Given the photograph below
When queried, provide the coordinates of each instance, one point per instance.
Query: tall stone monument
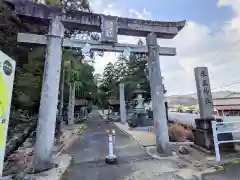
(203, 135)
(204, 92)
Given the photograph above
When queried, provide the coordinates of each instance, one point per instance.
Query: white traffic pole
(110, 145)
(114, 142)
(111, 158)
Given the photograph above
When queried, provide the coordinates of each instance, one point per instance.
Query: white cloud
(110, 8)
(197, 45)
(234, 4)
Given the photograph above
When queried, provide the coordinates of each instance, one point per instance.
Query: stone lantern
(140, 100)
(139, 118)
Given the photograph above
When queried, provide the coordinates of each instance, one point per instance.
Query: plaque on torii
(109, 29)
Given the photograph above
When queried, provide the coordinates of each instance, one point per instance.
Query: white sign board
(7, 71)
(204, 92)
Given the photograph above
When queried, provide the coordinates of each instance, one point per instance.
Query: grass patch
(81, 129)
(220, 168)
(235, 161)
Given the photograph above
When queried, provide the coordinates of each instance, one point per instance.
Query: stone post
(204, 92)
(49, 96)
(159, 113)
(203, 133)
(71, 103)
(122, 103)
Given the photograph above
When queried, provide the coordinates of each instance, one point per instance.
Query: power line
(223, 86)
(217, 54)
(227, 85)
(219, 51)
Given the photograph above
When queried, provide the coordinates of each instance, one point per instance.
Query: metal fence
(224, 128)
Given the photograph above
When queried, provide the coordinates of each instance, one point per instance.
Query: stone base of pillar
(203, 136)
(204, 139)
(205, 124)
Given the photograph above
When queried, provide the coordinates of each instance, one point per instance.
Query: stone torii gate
(110, 27)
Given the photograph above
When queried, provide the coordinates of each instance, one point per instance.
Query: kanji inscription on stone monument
(204, 92)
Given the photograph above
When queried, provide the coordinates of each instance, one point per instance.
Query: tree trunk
(71, 103)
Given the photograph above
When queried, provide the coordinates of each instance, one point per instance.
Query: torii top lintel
(92, 22)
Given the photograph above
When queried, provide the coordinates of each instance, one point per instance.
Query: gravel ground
(89, 153)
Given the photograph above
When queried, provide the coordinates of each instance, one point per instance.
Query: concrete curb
(63, 162)
(69, 143)
(100, 114)
(194, 176)
(155, 156)
(103, 116)
(64, 147)
(57, 173)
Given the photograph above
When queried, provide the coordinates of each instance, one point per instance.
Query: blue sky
(202, 11)
(211, 26)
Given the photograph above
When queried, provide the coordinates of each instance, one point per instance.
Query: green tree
(109, 78)
(70, 4)
(28, 81)
(131, 72)
(79, 77)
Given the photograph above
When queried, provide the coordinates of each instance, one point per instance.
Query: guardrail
(222, 128)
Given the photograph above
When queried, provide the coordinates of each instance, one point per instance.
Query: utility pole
(122, 103)
(158, 103)
(49, 97)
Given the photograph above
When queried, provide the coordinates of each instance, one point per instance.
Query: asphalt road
(90, 150)
(232, 172)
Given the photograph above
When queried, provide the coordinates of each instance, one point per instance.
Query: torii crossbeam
(95, 45)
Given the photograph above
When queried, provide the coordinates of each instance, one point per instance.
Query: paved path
(89, 153)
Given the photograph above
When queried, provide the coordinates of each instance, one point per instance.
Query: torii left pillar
(49, 96)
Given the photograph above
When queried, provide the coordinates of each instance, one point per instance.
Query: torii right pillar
(158, 102)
